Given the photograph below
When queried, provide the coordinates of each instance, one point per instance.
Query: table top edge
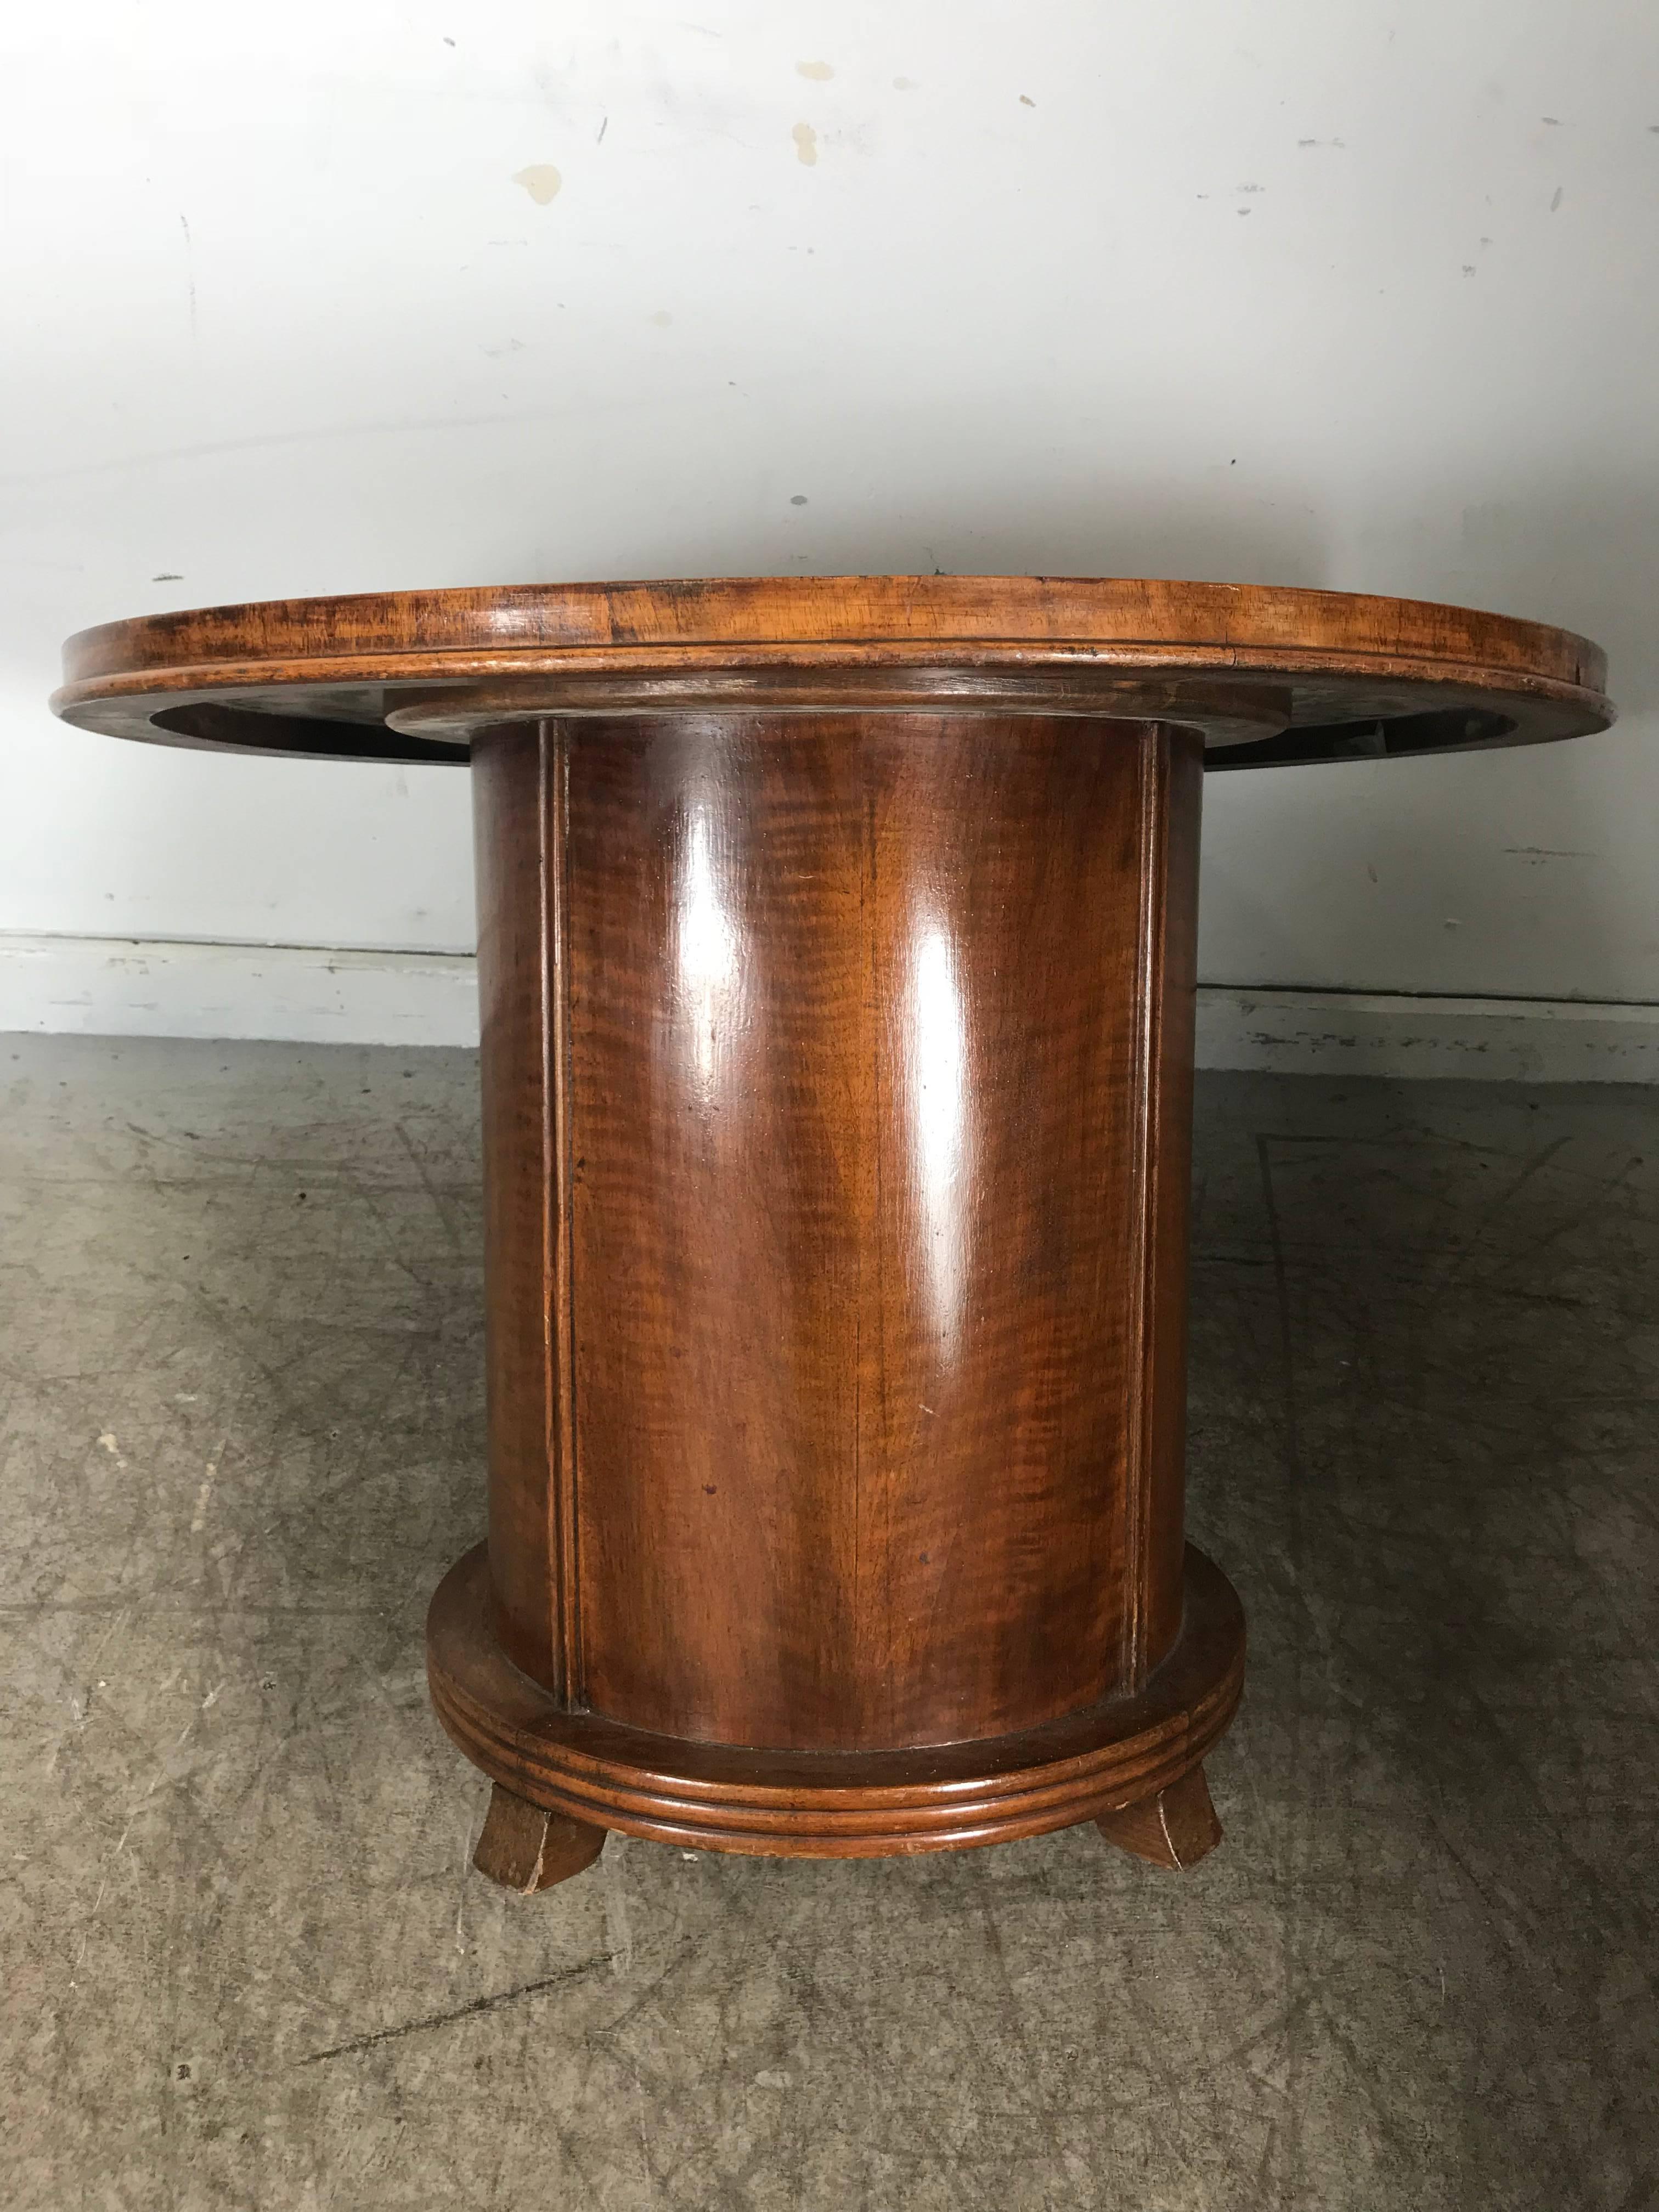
(666, 614)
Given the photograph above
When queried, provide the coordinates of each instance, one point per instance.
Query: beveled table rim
(1294, 673)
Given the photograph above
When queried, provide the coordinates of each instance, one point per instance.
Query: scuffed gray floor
(245, 1962)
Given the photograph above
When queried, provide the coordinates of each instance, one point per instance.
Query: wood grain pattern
(836, 956)
(526, 1848)
(1269, 674)
(858, 1067)
(825, 610)
(833, 1804)
(867, 1144)
(1166, 999)
(526, 1318)
(1173, 1829)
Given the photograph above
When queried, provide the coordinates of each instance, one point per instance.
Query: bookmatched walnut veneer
(836, 956)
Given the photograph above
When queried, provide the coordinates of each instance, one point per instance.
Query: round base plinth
(803, 1804)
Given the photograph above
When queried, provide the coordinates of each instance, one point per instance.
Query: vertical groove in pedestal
(519, 836)
(559, 1175)
(1171, 769)
(1137, 1273)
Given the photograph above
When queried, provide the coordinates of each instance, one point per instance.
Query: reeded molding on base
(833, 1804)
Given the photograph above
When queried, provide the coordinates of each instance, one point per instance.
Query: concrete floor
(245, 1964)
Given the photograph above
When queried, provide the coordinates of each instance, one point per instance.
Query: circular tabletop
(1270, 674)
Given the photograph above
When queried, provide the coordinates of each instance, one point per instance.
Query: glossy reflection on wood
(832, 1804)
(837, 957)
(1271, 673)
(849, 1232)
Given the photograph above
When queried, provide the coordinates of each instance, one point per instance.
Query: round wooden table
(837, 957)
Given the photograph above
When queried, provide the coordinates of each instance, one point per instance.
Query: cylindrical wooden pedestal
(837, 1098)
(837, 961)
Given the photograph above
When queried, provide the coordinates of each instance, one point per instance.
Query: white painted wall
(1357, 295)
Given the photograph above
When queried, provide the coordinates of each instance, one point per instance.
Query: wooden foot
(1174, 1829)
(526, 1849)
